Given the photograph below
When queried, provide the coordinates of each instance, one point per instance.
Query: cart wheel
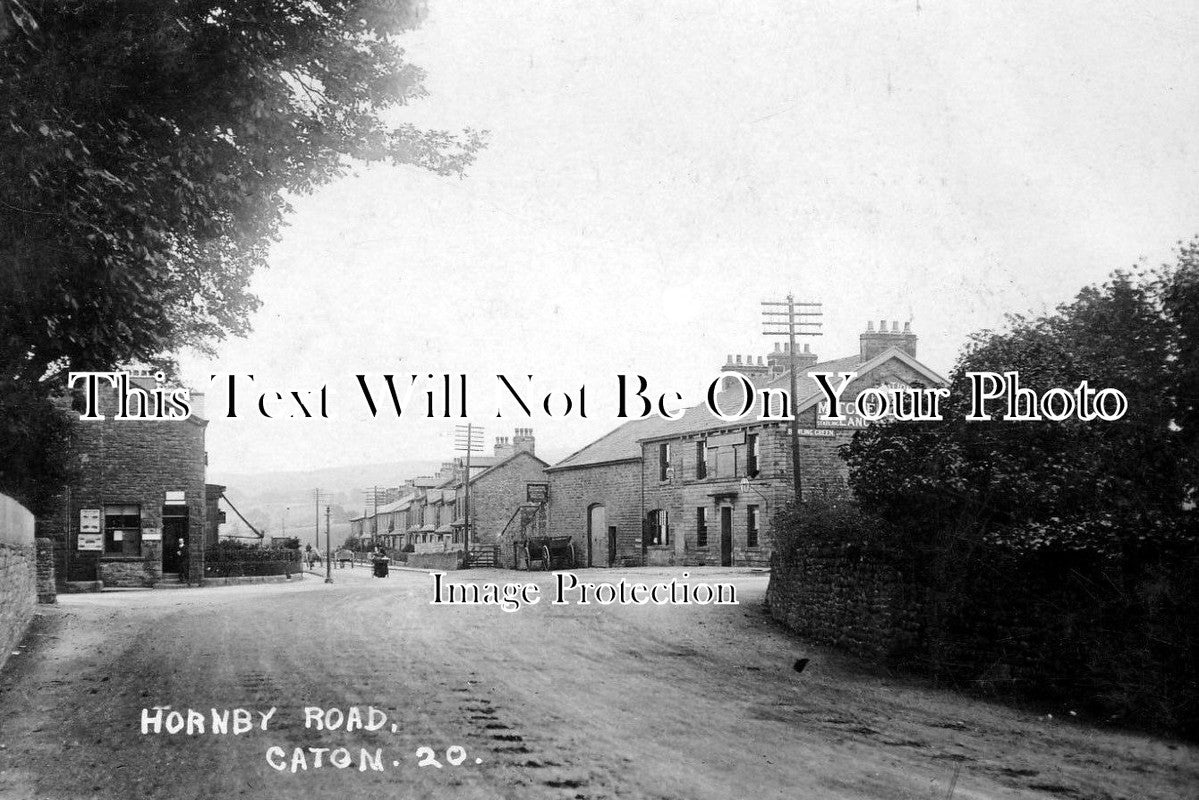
(545, 553)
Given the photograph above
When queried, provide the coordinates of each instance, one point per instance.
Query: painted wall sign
(537, 492)
(725, 439)
(90, 541)
(850, 418)
(176, 498)
(151, 534)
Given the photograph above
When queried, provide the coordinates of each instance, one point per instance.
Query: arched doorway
(597, 536)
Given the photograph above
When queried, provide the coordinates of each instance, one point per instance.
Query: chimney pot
(907, 327)
(730, 361)
(778, 346)
(882, 326)
(894, 326)
(738, 359)
(869, 326)
(807, 348)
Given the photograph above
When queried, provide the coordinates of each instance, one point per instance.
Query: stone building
(501, 509)
(136, 513)
(428, 515)
(595, 496)
(700, 490)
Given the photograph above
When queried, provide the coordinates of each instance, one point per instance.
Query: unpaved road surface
(546, 702)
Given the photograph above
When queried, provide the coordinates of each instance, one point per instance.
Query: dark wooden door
(611, 545)
(726, 537)
(174, 543)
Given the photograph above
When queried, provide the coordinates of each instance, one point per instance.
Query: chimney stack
(746, 365)
(876, 342)
(503, 448)
(523, 441)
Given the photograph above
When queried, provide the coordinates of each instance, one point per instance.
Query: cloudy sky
(656, 169)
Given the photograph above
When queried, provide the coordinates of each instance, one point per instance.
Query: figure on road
(380, 559)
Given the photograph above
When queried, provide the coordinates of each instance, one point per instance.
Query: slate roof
(474, 478)
(624, 443)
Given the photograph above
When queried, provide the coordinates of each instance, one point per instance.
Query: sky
(657, 169)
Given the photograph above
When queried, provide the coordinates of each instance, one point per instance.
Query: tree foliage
(1109, 487)
(147, 150)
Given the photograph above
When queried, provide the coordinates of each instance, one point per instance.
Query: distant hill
(344, 484)
(281, 503)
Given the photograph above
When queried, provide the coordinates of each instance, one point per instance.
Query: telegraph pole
(465, 439)
(328, 549)
(316, 535)
(374, 490)
(791, 326)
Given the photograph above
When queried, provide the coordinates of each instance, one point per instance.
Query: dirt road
(546, 702)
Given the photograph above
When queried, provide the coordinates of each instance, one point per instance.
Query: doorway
(598, 547)
(726, 536)
(174, 538)
(611, 545)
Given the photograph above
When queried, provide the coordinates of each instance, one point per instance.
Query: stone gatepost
(47, 592)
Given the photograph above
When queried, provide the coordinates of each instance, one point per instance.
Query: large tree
(147, 151)
(1107, 487)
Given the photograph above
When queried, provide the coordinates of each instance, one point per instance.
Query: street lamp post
(746, 486)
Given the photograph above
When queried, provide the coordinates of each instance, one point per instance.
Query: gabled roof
(481, 462)
(497, 465)
(624, 443)
(701, 418)
(618, 445)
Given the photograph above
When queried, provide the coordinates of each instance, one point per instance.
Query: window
(751, 526)
(751, 455)
(701, 526)
(725, 462)
(701, 459)
(664, 461)
(123, 530)
(657, 528)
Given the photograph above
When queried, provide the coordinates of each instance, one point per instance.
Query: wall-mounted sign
(176, 499)
(118, 536)
(89, 520)
(537, 492)
(817, 432)
(151, 534)
(90, 541)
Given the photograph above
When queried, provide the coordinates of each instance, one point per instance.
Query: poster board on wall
(89, 520)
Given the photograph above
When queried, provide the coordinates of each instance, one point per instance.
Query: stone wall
(617, 487)
(18, 574)
(1075, 629)
(436, 561)
(856, 599)
(47, 589)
